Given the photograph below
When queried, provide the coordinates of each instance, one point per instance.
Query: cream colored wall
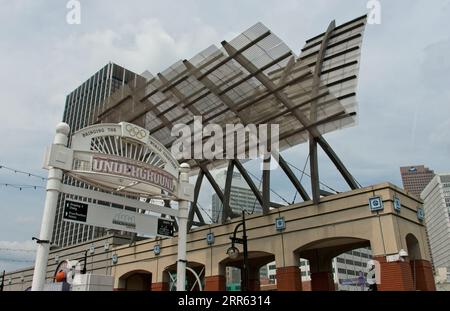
(346, 215)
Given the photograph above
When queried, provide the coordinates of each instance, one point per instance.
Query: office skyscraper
(436, 197)
(241, 197)
(81, 106)
(416, 178)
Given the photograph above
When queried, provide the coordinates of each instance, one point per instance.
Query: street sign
(397, 204)
(76, 211)
(280, 224)
(420, 213)
(118, 219)
(165, 227)
(376, 204)
(210, 238)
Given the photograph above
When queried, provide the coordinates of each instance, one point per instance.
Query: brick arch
(320, 253)
(138, 279)
(421, 269)
(259, 258)
(334, 246)
(413, 247)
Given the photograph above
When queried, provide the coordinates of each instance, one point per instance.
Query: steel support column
(266, 186)
(298, 186)
(313, 162)
(250, 67)
(226, 209)
(194, 207)
(249, 181)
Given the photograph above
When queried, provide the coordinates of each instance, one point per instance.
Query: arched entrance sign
(123, 159)
(118, 157)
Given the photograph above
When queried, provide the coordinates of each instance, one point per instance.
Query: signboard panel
(165, 227)
(118, 219)
(76, 211)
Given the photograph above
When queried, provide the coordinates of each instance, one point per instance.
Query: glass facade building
(82, 105)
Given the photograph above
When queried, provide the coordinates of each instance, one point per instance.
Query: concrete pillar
(423, 275)
(160, 286)
(48, 218)
(253, 280)
(394, 276)
(215, 283)
(321, 271)
(289, 279)
(322, 281)
(183, 211)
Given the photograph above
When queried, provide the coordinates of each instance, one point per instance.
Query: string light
(20, 187)
(15, 260)
(17, 250)
(16, 171)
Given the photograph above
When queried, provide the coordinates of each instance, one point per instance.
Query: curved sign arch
(123, 157)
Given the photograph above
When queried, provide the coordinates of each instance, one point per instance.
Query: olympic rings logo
(135, 131)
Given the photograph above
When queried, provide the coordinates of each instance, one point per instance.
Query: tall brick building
(416, 178)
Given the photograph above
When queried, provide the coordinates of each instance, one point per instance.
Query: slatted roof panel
(215, 85)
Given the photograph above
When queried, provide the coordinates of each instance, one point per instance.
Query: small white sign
(420, 214)
(119, 219)
(376, 204)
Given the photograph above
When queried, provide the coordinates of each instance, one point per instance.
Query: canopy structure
(254, 79)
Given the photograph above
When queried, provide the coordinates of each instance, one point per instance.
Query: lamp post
(84, 270)
(233, 252)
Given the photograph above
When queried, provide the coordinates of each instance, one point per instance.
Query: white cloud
(139, 46)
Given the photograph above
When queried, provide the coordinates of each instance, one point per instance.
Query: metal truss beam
(266, 186)
(249, 181)
(194, 207)
(313, 162)
(212, 181)
(243, 61)
(298, 186)
(226, 208)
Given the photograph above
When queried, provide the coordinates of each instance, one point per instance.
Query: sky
(403, 92)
